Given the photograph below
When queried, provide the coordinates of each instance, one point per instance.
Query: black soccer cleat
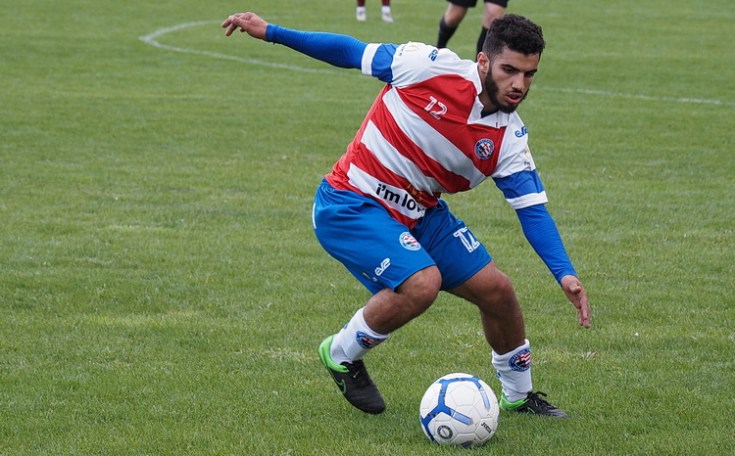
(532, 403)
(353, 381)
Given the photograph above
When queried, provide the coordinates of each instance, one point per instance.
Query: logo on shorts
(366, 341)
(383, 266)
(369, 277)
(409, 242)
(521, 361)
(484, 148)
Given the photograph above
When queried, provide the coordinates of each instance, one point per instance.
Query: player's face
(508, 79)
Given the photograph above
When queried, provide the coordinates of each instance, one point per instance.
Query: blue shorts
(382, 253)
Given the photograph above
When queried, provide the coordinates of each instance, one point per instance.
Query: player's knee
(493, 292)
(501, 296)
(421, 289)
(503, 289)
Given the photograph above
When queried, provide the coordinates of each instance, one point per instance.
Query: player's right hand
(250, 23)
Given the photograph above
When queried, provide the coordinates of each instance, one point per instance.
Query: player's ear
(483, 64)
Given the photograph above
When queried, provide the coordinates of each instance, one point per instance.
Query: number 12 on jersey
(436, 108)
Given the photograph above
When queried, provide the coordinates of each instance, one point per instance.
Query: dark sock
(445, 32)
(481, 39)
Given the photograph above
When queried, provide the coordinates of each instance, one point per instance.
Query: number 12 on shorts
(469, 241)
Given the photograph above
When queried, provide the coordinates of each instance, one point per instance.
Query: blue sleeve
(339, 50)
(541, 232)
(520, 184)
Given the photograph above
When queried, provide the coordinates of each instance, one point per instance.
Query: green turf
(161, 291)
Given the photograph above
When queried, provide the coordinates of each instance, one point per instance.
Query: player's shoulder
(414, 50)
(417, 53)
(429, 60)
(413, 62)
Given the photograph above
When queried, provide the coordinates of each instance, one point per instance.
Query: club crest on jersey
(366, 341)
(409, 242)
(521, 361)
(484, 148)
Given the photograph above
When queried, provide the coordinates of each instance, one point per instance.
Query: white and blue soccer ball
(459, 409)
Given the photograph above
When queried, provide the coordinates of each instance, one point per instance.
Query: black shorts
(472, 3)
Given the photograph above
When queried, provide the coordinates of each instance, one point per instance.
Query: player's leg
(500, 312)
(380, 252)
(450, 20)
(385, 312)
(468, 271)
(385, 257)
(502, 321)
(494, 9)
(385, 12)
(360, 11)
(342, 353)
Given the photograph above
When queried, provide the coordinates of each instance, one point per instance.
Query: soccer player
(385, 13)
(456, 11)
(440, 125)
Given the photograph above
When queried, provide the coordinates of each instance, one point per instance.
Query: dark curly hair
(517, 33)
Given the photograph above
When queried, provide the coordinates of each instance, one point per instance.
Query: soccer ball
(459, 409)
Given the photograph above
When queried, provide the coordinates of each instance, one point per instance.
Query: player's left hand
(578, 296)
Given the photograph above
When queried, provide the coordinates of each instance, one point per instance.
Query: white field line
(152, 39)
(634, 96)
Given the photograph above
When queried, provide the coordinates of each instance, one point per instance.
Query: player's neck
(488, 111)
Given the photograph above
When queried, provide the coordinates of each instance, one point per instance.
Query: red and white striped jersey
(425, 135)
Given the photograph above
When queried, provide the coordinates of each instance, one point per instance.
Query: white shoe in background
(387, 16)
(361, 14)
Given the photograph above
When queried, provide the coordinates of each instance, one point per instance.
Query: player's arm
(339, 50)
(525, 192)
(541, 231)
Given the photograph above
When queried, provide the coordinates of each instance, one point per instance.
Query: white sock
(385, 9)
(354, 340)
(514, 371)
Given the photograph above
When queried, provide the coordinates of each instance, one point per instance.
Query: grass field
(161, 291)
